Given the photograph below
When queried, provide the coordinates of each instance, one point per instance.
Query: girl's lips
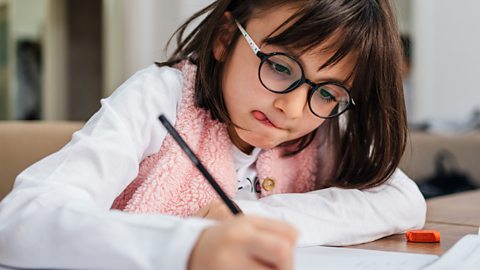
(263, 118)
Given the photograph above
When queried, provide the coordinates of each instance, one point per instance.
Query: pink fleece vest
(169, 183)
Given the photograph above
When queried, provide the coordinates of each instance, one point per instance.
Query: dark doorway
(84, 63)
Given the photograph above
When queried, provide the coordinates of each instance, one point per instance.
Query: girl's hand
(217, 210)
(245, 242)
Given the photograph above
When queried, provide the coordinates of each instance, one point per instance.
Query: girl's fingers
(219, 211)
(202, 212)
(279, 228)
(268, 241)
(245, 242)
(272, 250)
(256, 265)
(244, 261)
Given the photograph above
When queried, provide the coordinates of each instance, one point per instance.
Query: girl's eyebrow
(336, 80)
(285, 49)
(346, 82)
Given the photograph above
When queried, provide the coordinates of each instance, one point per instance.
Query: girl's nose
(293, 104)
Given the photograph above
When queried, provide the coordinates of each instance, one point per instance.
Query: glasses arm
(250, 41)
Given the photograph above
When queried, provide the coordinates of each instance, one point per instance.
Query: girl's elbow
(419, 215)
(417, 211)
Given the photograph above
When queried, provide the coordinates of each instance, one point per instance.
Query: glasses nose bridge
(299, 84)
(310, 83)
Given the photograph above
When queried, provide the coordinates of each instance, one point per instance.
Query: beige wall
(446, 59)
(136, 33)
(54, 98)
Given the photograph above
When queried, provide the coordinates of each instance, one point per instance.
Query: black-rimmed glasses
(281, 73)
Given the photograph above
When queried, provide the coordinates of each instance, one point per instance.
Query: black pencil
(231, 205)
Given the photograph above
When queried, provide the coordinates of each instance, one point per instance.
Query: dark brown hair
(361, 148)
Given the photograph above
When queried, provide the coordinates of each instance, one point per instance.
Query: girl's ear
(224, 36)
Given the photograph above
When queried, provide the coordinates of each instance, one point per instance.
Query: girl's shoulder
(152, 82)
(155, 72)
(153, 75)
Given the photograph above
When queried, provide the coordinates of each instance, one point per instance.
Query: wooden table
(453, 215)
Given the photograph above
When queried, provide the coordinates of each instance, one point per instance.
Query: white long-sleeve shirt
(58, 214)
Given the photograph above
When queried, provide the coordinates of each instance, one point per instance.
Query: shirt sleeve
(58, 214)
(338, 217)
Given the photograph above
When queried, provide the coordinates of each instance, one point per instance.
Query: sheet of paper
(335, 258)
(465, 255)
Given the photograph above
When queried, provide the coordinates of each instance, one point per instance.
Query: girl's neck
(238, 142)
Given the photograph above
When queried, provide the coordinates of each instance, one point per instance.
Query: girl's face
(267, 119)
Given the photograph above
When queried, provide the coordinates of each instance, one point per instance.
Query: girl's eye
(281, 69)
(326, 95)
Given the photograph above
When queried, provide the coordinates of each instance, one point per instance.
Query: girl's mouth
(263, 118)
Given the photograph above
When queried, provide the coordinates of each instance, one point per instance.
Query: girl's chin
(265, 140)
(262, 143)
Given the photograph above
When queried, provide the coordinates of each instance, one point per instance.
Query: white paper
(465, 255)
(333, 258)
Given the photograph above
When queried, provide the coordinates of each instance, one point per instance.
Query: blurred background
(58, 58)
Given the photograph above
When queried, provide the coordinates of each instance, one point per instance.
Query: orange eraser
(423, 236)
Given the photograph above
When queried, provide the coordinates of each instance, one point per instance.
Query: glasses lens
(328, 100)
(280, 73)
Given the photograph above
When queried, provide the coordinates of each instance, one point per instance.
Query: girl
(295, 107)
